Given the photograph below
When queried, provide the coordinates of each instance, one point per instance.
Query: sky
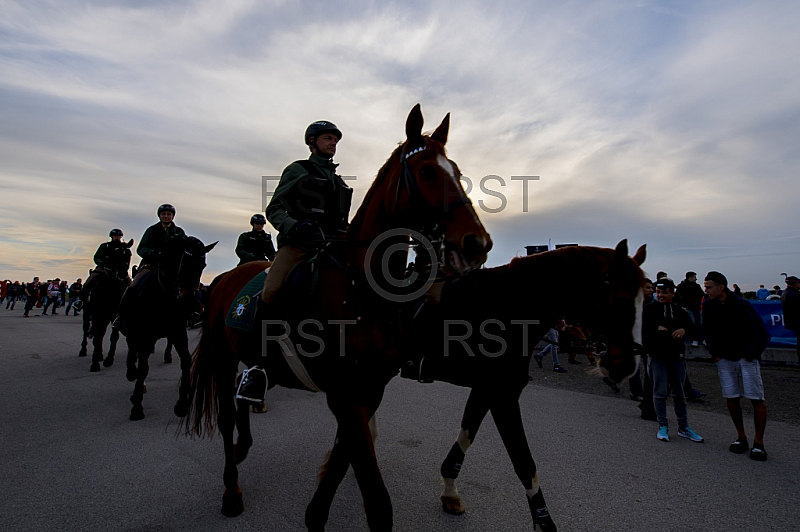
(675, 124)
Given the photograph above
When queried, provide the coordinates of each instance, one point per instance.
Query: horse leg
(185, 388)
(85, 341)
(475, 410)
(244, 438)
(507, 417)
(112, 347)
(139, 389)
(232, 502)
(98, 332)
(130, 362)
(330, 476)
(356, 438)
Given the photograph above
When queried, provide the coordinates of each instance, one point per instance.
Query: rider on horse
(157, 240)
(310, 204)
(106, 258)
(256, 244)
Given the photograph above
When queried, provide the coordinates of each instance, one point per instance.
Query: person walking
(32, 294)
(790, 301)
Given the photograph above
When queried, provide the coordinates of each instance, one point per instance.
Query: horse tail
(203, 403)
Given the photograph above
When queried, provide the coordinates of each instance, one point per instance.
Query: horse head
(121, 259)
(192, 262)
(616, 309)
(418, 190)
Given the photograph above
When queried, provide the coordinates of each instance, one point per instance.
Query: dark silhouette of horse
(354, 316)
(100, 304)
(482, 334)
(164, 299)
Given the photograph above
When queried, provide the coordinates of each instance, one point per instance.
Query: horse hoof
(453, 505)
(260, 408)
(232, 505)
(131, 374)
(137, 413)
(181, 408)
(95, 367)
(82, 354)
(108, 362)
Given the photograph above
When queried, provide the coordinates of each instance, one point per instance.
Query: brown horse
(482, 333)
(355, 315)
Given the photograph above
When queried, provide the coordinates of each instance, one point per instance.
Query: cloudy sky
(674, 124)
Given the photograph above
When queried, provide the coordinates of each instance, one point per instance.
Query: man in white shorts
(736, 337)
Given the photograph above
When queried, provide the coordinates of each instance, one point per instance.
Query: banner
(771, 313)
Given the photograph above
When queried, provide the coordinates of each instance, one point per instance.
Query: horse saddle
(301, 284)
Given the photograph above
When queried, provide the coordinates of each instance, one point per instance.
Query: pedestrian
(736, 337)
(52, 297)
(74, 297)
(762, 293)
(665, 324)
(552, 347)
(689, 294)
(13, 293)
(32, 295)
(790, 301)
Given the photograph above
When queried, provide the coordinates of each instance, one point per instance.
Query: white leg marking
(637, 323)
(373, 428)
(463, 440)
(535, 486)
(450, 489)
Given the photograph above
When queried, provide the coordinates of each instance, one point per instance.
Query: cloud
(668, 124)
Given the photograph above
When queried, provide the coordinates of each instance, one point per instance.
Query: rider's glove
(305, 231)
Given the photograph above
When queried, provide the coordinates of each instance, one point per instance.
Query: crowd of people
(49, 295)
(676, 317)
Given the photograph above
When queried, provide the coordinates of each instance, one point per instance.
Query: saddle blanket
(242, 314)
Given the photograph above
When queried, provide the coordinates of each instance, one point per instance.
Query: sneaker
(538, 360)
(663, 433)
(696, 395)
(739, 446)
(689, 433)
(559, 369)
(758, 453)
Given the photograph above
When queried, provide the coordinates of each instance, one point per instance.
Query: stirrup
(253, 386)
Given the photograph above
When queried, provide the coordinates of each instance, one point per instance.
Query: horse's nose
(476, 248)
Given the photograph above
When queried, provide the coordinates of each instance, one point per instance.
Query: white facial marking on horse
(450, 489)
(442, 161)
(637, 323)
(464, 440)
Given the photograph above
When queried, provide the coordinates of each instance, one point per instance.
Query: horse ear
(210, 246)
(621, 251)
(441, 132)
(129, 244)
(414, 125)
(641, 254)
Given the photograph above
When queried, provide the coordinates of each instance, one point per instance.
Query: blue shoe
(663, 433)
(559, 369)
(689, 433)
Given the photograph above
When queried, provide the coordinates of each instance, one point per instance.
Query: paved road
(71, 460)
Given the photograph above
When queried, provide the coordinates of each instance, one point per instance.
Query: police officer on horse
(156, 241)
(106, 258)
(256, 244)
(311, 204)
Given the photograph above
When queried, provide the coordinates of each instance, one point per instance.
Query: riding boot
(122, 313)
(253, 386)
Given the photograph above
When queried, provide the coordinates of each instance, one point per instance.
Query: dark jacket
(310, 190)
(660, 345)
(254, 245)
(733, 329)
(790, 299)
(689, 295)
(156, 239)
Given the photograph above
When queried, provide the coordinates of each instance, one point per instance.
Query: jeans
(552, 346)
(72, 300)
(12, 300)
(664, 374)
(50, 301)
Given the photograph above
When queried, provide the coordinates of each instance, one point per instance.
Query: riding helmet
(115, 232)
(166, 207)
(320, 127)
(258, 219)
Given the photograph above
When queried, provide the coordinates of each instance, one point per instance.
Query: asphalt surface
(71, 459)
